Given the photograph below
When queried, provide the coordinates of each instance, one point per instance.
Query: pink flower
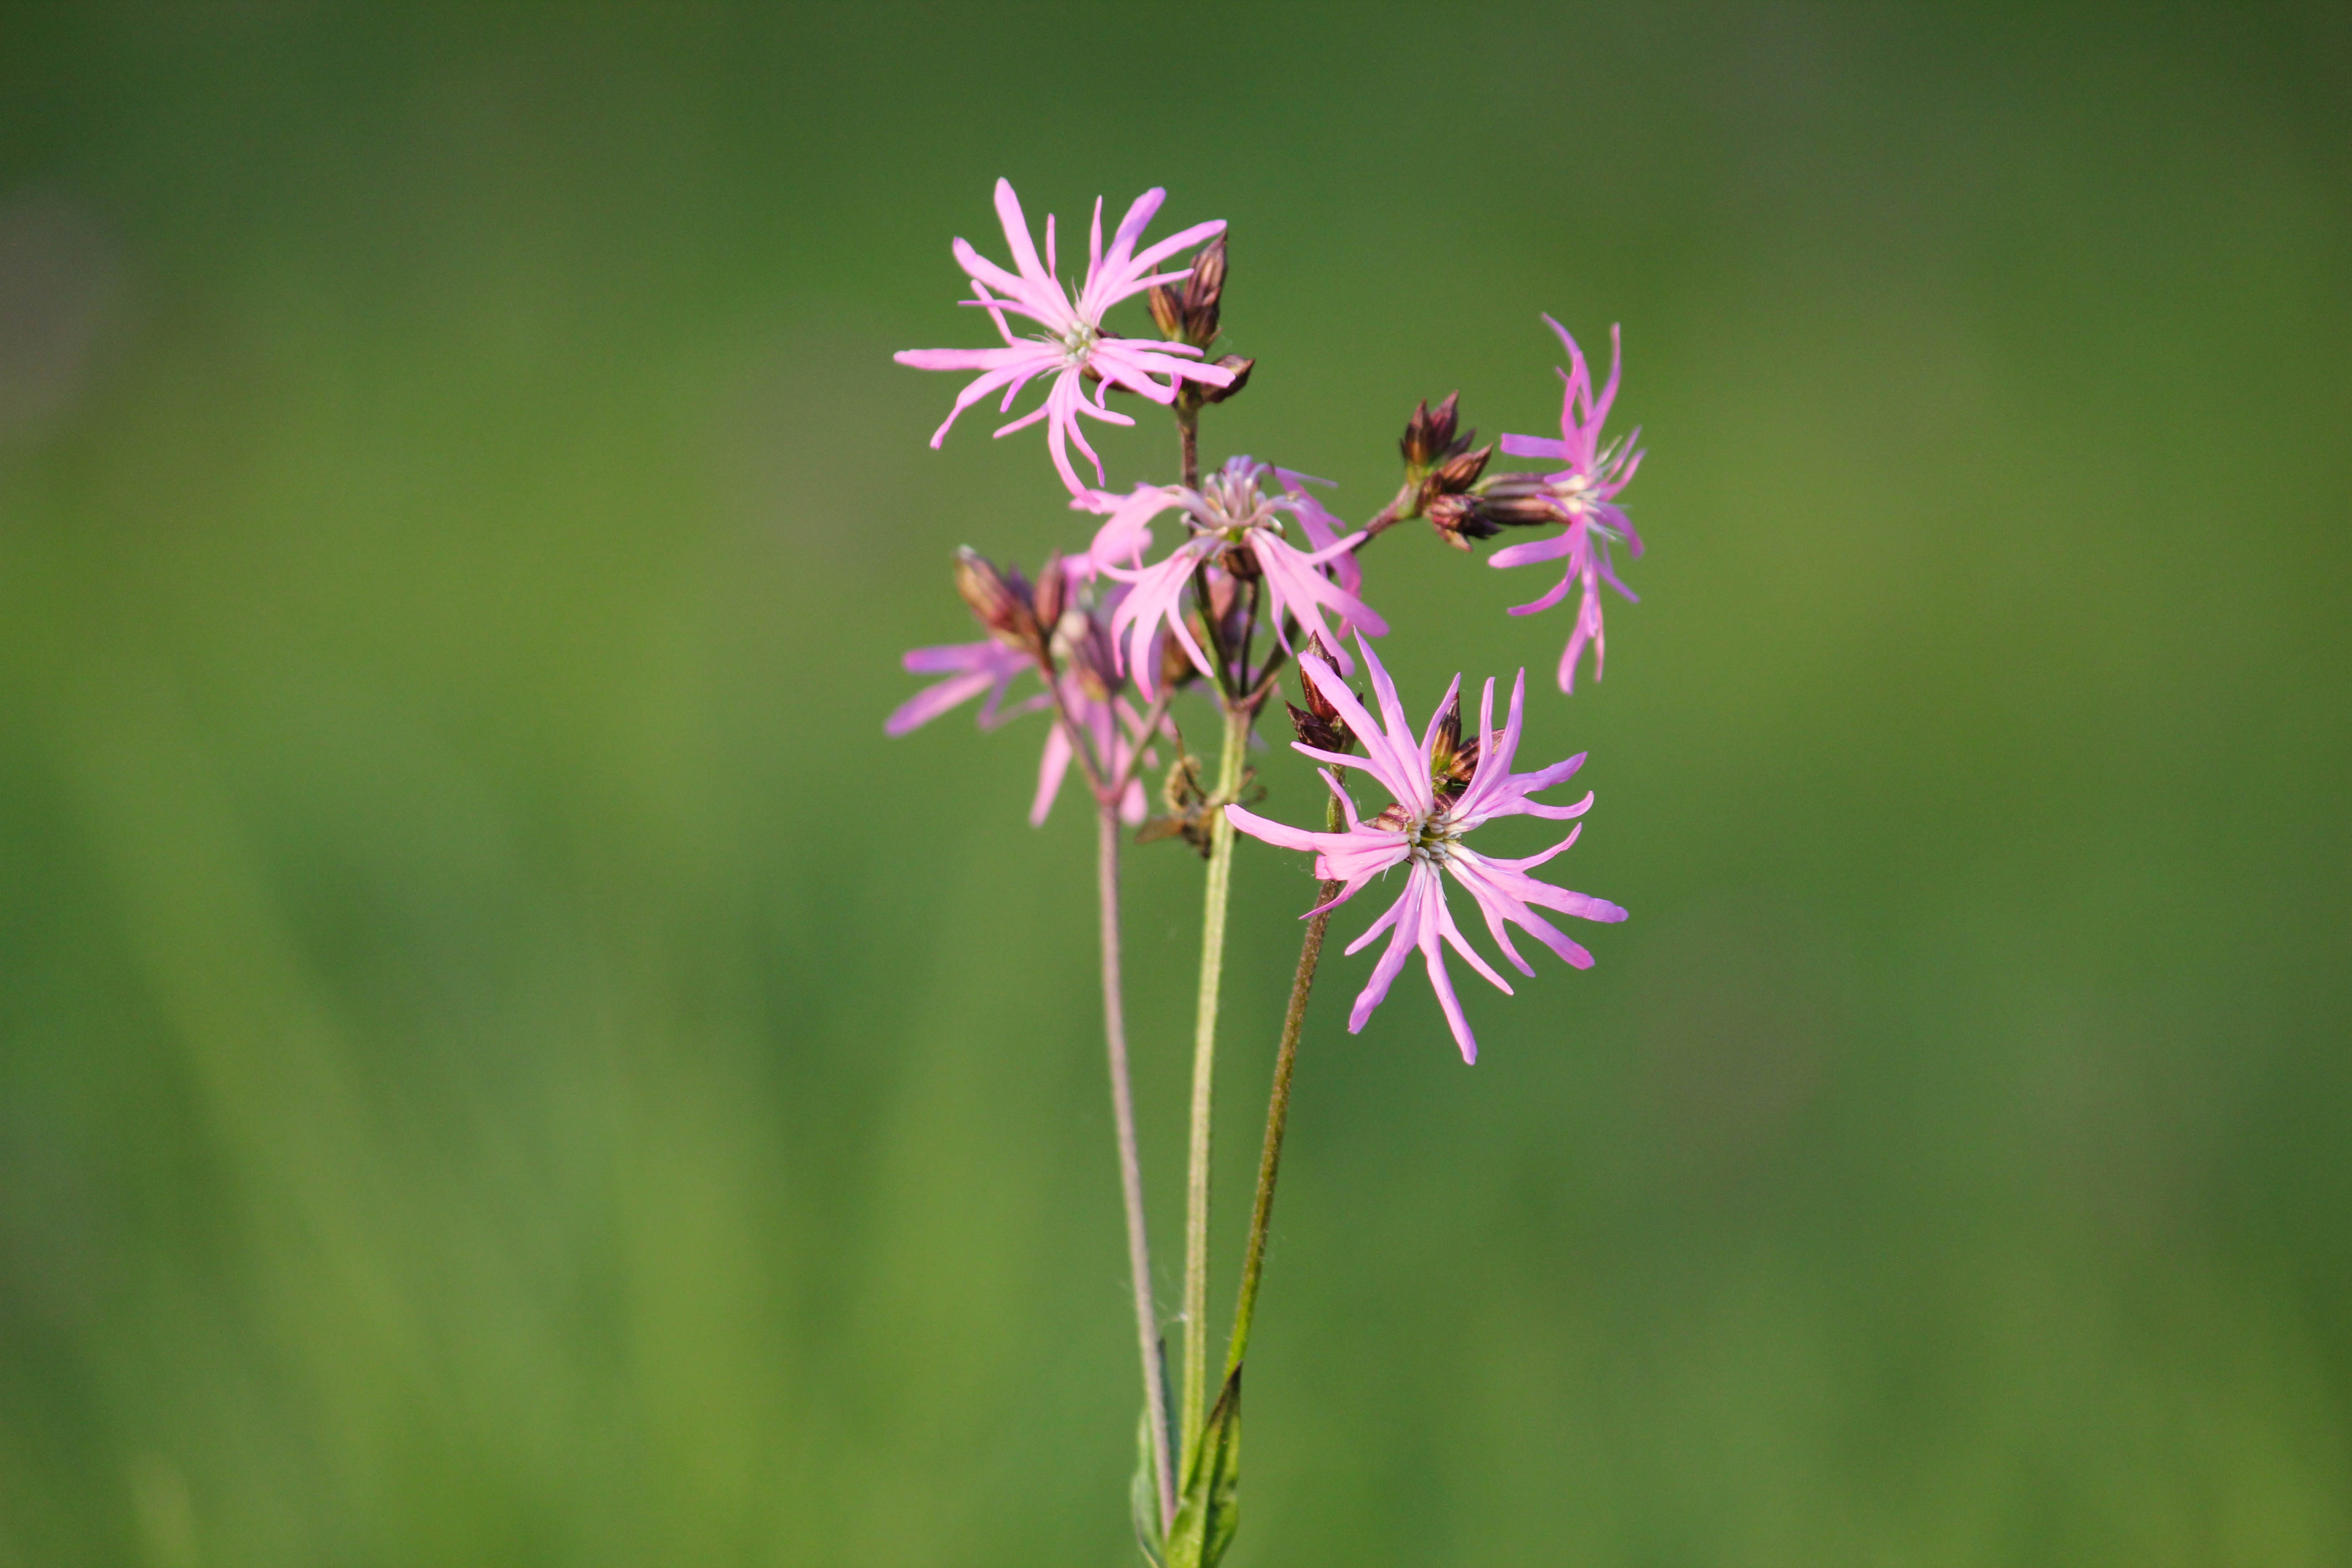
(991, 666)
(1584, 494)
(1071, 346)
(1437, 805)
(1232, 510)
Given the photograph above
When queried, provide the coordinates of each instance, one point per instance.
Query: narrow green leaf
(1210, 1507)
(1143, 1495)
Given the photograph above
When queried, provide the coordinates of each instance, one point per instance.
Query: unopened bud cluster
(1187, 313)
(1440, 467)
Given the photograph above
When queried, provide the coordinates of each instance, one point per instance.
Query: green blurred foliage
(500, 1063)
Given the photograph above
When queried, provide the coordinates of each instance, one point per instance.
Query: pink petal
(1051, 767)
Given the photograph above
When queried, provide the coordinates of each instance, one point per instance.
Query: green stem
(1130, 1163)
(1277, 1107)
(1205, 1073)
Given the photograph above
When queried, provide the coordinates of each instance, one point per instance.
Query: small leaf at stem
(1143, 1496)
(1210, 1507)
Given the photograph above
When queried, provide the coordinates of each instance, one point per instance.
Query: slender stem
(1188, 432)
(1212, 624)
(1152, 720)
(1277, 1108)
(1204, 1071)
(1130, 1165)
(1405, 505)
(1082, 746)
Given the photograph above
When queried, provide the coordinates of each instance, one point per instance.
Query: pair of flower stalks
(1263, 574)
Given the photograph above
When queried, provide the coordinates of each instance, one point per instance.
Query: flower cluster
(1261, 556)
(1222, 584)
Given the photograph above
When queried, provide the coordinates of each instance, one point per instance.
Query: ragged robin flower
(1581, 495)
(1005, 604)
(1236, 519)
(1443, 790)
(1069, 344)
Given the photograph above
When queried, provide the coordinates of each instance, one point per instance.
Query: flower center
(1078, 344)
(1430, 838)
(1232, 504)
(1572, 493)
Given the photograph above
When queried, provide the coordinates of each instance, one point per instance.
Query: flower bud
(1083, 645)
(1241, 369)
(1052, 591)
(1452, 764)
(1429, 435)
(1458, 472)
(1459, 518)
(1167, 311)
(1323, 734)
(1520, 500)
(1001, 600)
(1187, 312)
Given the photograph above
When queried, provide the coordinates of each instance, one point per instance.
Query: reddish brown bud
(1458, 473)
(1052, 590)
(1452, 763)
(1241, 369)
(1323, 734)
(1520, 500)
(1429, 434)
(1320, 705)
(1001, 600)
(1205, 290)
(1459, 518)
(1187, 312)
(1167, 311)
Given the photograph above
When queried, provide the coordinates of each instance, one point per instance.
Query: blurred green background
(504, 1065)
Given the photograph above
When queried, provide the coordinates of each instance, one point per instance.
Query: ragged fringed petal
(1125, 533)
(1436, 925)
(1051, 766)
(1299, 590)
(1323, 531)
(972, 667)
(1393, 768)
(1404, 917)
(1155, 598)
(1565, 542)
(1506, 894)
(1404, 746)
(1589, 630)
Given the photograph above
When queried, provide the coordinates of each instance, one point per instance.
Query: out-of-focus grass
(502, 1064)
